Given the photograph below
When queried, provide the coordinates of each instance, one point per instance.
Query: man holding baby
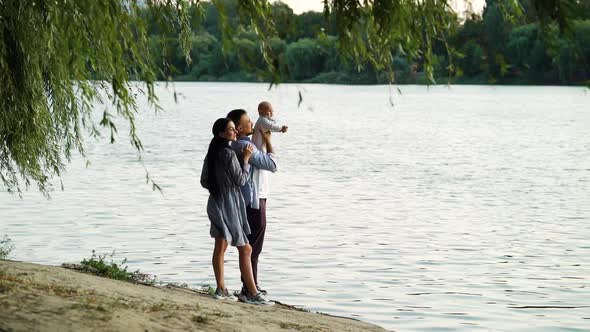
(263, 161)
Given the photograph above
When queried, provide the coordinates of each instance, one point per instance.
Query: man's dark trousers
(257, 222)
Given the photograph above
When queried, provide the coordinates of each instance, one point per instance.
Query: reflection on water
(459, 209)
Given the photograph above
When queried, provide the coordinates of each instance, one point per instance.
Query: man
(255, 204)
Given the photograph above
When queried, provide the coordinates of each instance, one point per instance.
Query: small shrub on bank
(6, 246)
(206, 288)
(98, 264)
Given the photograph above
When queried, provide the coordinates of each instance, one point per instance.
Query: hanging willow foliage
(58, 58)
(61, 58)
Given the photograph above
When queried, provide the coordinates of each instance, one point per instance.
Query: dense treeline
(487, 48)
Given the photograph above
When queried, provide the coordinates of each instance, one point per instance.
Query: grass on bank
(101, 266)
(105, 266)
(6, 246)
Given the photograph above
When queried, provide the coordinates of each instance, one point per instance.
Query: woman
(222, 175)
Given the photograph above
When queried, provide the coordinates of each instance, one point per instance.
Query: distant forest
(490, 47)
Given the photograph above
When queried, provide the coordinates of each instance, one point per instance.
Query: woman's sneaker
(257, 299)
(224, 294)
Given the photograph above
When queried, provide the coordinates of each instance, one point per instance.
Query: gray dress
(227, 212)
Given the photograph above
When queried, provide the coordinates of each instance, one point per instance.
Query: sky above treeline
(301, 6)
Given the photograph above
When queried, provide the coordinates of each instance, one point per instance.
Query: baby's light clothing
(264, 124)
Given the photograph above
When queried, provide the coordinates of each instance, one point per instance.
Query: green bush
(6, 246)
(98, 265)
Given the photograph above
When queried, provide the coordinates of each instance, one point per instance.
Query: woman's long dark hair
(217, 144)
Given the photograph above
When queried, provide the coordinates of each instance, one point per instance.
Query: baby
(265, 123)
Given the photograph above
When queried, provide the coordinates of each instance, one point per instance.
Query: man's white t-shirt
(263, 183)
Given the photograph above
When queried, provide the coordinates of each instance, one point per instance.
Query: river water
(462, 208)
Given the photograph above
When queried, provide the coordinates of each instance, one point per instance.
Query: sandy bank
(47, 298)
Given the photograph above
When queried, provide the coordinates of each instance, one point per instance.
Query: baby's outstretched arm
(269, 125)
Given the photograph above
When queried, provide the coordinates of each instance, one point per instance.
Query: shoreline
(51, 298)
(440, 82)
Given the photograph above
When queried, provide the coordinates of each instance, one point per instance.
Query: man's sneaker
(242, 297)
(224, 294)
(262, 291)
(257, 299)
